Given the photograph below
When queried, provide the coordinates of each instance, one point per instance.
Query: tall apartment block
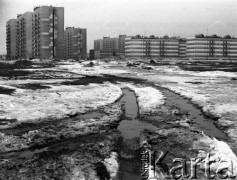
(75, 43)
(109, 47)
(151, 47)
(48, 32)
(39, 34)
(84, 43)
(24, 35)
(11, 29)
(98, 47)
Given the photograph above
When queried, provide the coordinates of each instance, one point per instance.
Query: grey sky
(113, 17)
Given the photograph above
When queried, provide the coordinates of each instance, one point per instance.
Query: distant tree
(138, 36)
(199, 36)
(152, 36)
(227, 37)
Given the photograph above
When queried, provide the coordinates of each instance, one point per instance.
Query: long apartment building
(211, 48)
(75, 43)
(39, 34)
(151, 47)
(109, 47)
(191, 48)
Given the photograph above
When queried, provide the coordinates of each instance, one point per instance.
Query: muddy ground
(77, 147)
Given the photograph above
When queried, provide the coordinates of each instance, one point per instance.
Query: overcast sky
(145, 17)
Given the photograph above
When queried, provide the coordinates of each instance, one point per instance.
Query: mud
(187, 110)
(128, 144)
(75, 147)
(7, 91)
(32, 86)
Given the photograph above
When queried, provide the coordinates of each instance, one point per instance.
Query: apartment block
(211, 48)
(11, 38)
(72, 43)
(39, 34)
(24, 35)
(109, 47)
(75, 43)
(48, 32)
(83, 43)
(151, 47)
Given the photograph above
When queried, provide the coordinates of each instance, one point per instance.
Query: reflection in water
(201, 122)
(128, 144)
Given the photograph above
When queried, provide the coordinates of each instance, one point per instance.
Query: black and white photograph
(118, 89)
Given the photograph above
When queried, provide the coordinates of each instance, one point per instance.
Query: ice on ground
(16, 82)
(178, 70)
(57, 102)
(149, 98)
(218, 100)
(213, 91)
(95, 70)
(220, 154)
(112, 165)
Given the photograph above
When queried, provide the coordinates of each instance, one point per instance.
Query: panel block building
(151, 47)
(75, 43)
(11, 29)
(48, 33)
(39, 34)
(211, 48)
(24, 48)
(196, 48)
(109, 47)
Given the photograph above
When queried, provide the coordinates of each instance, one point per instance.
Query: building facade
(48, 32)
(11, 38)
(39, 34)
(151, 47)
(196, 48)
(92, 54)
(72, 43)
(182, 48)
(24, 41)
(75, 43)
(83, 43)
(211, 48)
(109, 47)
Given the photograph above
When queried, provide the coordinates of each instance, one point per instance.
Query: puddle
(29, 154)
(7, 121)
(6, 91)
(201, 122)
(128, 144)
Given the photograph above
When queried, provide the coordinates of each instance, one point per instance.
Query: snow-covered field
(58, 101)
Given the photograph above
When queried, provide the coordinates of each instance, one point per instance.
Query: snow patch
(149, 98)
(220, 154)
(56, 102)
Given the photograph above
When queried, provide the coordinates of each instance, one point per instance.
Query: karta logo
(154, 167)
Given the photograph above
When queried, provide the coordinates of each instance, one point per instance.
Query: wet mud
(67, 151)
